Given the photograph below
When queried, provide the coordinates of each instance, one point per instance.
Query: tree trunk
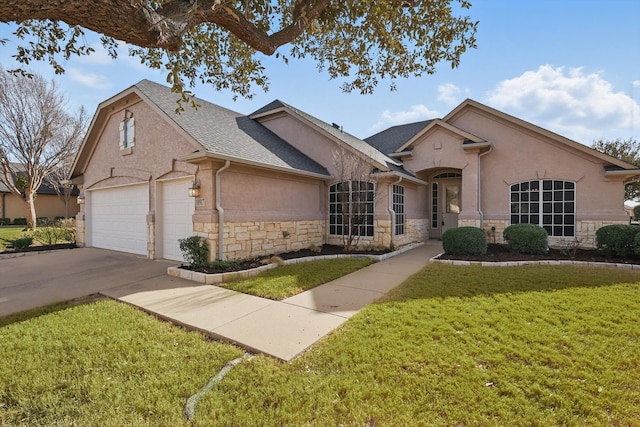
(31, 209)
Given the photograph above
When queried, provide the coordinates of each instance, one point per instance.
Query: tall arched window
(549, 203)
(351, 205)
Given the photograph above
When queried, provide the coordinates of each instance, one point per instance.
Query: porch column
(470, 214)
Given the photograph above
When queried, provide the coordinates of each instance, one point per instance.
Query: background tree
(218, 41)
(58, 178)
(627, 150)
(36, 134)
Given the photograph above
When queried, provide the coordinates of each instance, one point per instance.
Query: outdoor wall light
(194, 190)
(81, 199)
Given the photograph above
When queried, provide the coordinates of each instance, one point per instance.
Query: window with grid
(398, 208)
(549, 203)
(351, 205)
(434, 205)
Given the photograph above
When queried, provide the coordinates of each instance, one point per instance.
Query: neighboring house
(47, 202)
(268, 182)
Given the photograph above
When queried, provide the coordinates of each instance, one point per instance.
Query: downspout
(479, 187)
(392, 213)
(220, 210)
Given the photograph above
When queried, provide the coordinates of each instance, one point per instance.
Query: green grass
(289, 280)
(522, 346)
(8, 235)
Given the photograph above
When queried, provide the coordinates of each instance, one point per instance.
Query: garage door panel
(177, 216)
(118, 218)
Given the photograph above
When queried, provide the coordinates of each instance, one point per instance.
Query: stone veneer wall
(81, 240)
(495, 236)
(585, 232)
(416, 230)
(252, 239)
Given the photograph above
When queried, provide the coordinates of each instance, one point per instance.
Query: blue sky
(570, 66)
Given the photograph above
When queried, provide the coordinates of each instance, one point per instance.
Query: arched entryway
(445, 195)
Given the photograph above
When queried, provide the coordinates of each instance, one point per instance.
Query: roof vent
(337, 126)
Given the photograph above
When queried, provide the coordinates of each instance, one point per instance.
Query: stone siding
(252, 239)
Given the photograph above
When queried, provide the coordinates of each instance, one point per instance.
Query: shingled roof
(389, 140)
(230, 134)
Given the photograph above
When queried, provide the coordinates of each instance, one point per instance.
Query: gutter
(391, 211)
(220, 210)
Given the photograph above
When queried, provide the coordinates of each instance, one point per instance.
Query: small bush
(19, 221)
(464, 241)
(526, 239)
(42, 221)
(69, 227)
(23, 242)
(5, 221)
(195, 250)
(617, 240)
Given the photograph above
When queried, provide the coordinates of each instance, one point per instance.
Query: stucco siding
(257, 196)
(521, 155)
(306, 139)
(47, 206)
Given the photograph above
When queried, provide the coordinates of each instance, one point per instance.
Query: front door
(450, 203)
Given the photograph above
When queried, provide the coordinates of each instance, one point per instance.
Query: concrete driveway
(39, 279)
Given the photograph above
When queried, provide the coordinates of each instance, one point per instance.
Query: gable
(492, 125)
(209, 130)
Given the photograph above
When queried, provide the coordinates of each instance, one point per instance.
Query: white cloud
(636, 83)
(92, 80)
(451, 94)
(414, 114)
(570, 102)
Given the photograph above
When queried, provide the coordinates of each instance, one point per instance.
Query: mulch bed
(499, 253)
(248, 264)
(40, 248)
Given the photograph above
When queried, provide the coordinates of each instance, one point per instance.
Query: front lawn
(288, 280)
(452, 345)
(9, 234)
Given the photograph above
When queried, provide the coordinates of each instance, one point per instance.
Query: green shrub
(464, 241)
(195, 250)
(43, 220)
(617, 240)
(19, 221)
(23, 242)
(69, 227)
(5, 221)
(526, 239)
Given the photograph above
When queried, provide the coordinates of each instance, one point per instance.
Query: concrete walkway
(282, 329)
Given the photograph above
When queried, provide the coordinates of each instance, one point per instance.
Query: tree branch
(139, 24)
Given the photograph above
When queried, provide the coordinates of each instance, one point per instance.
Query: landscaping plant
(195, 251)
(23, 242)
(617, 240)
(464, 241)
(526, 239)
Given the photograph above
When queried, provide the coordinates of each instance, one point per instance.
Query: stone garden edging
(212, 279)
(539, 262)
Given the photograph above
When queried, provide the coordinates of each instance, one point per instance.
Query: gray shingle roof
(389, 140)
(227, 133)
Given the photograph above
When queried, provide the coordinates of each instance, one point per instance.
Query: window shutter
(122, 142)
(131, 135)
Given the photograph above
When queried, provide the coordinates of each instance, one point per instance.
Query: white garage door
(118, 218)
(176, 216)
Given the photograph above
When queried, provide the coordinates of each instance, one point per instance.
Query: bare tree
(58, 179)
(353, 197)
(36, 134)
